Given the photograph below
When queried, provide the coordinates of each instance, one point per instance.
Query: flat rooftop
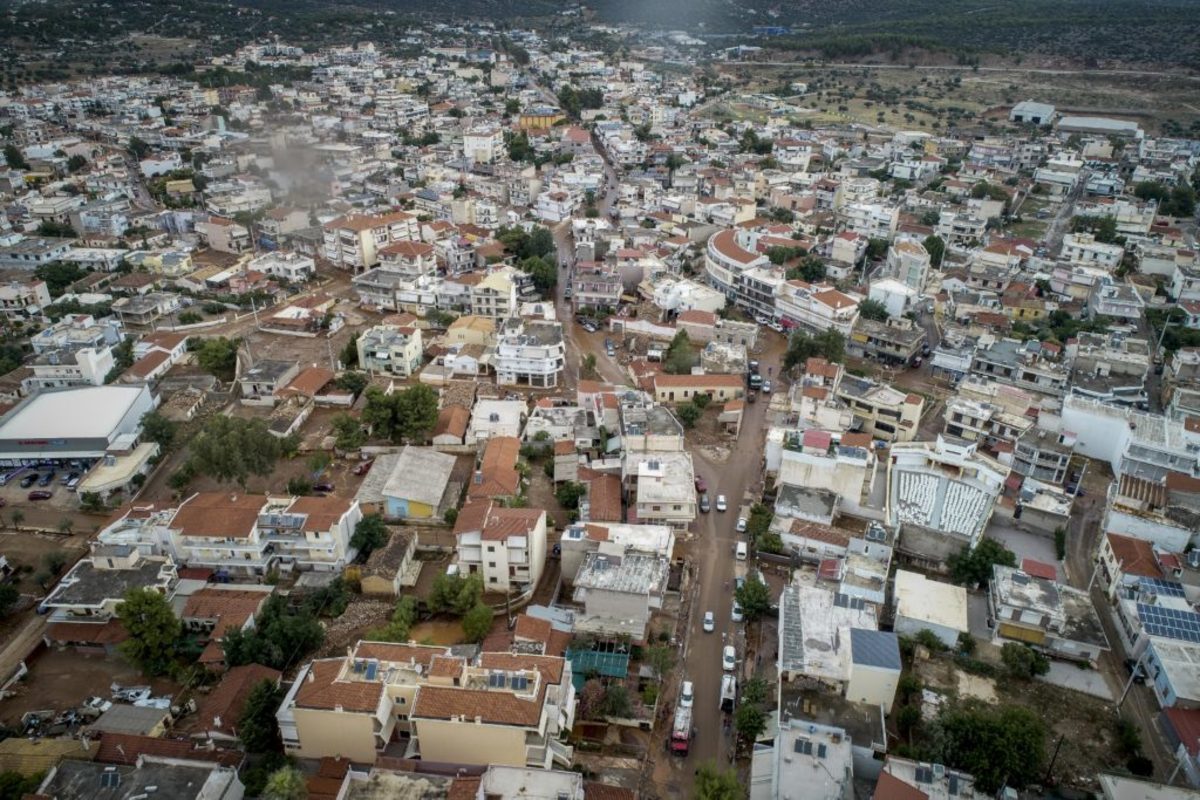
(88, 412)
(632, 573)
(90, 586)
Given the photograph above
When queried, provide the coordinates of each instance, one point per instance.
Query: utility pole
(1053, 758)
(1133, 673)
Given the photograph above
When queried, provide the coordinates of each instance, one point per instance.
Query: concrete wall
(872, 685)
(469, 743)
(330, 733)
(906, 626)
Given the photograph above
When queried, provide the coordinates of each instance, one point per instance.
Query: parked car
(1136, 670)
(736, 613)
(363, 468)
(47, 478)
(766, 387)
(29, 480)
(721, 505)
(589, 326)
(701, 484)
(710, 622)
(704, 506)
(751, 396)
(741, 525)
(323, 487)
(686, 695)
(728, 658)
(917, 362)
(741, 551)
(40, 494)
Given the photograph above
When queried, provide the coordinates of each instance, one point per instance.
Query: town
(485, 413)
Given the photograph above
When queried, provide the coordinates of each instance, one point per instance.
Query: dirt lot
(29, 550)
(1083, 723)
(59, 680)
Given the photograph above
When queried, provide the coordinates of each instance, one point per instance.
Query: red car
(363, 468)
(701, 485)
(40, 495)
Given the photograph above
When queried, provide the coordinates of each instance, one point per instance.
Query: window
(492, 564)
(491, 548)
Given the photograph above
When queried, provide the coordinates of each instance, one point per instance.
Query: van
(742, 551)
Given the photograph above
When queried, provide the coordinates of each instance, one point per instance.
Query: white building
(1082, 248)
(908, 262)
(923, 604)
(895, 295)
(506, 547)
(530, 354)
(663, 485)
(290, 267)
(815, 307)
(805, 759)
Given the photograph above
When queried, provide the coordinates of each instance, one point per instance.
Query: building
(1057, 619)
(662, 486)
(674, 389)
(727, 255)
(504, 546)
(923, 604)
(942, 494)
(815, 307)
(843, 464)
(417, 485)
(896, 341)
(908, 262)
(611, 538)
(353, 242)
(244, 535)
(49, 428)
(261, 382)
(289, 267)
(1032, 112)
(903, 779)
(802, 754)
(530, 354)
(178, 779)
(214, 611)
(620, 593)
(23, 300)
(391, 349)
(392, 566)
(1082, 248)
(496, 708)
(879, 410)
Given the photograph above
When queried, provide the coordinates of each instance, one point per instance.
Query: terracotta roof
(498, 469)
(465, 788)
(309, 381)
(604, 499)
(111, 632)
(407, 249)
(452, 420)
(222, 709)
(1136, 556)
(322, 513)
(564, 447)
(696, 317)
(834, 299)
(820, 533)
(1186, 724)
(501, 708)
(505, 522)
(327, 783)
(473, 515)
(359, 222)
(446, 666)
(532, 629)
(725, 243)
(668, 381)
(1179, 482)
(321, 689)
(148, 363)
(890, 787)
(218, 515)
(856, 440)
(399, 653)
(126, 748)
(1039, 569)
(594, 790)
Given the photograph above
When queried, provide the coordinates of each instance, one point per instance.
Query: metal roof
(875, 649)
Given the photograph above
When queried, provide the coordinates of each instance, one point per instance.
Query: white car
(766, 387)
(710, 623)
(728, 658)
(721, 502)
(741, 525)
(686, 695)
(736, 614)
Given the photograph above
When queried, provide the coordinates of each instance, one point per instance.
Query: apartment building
(497, 708)
(674, 389)
(1021, 364)
(505, 546)
(495, 295)
(897, 340)
(1059, 619)
(529, 354)
(727, 255)
(985, 422)
(409, 258)
(908, 262)
(873, 220)
(22, 300)
(246, 535)
(662, 487)
(392, 349)
(1082, 248)
(289, 267)
(842, 463)
(815, 307)
(596, 285)
(353, 242)
(881, 411)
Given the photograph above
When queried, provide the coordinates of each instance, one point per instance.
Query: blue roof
(875, 648)
(1161, 587)
(1170, 623)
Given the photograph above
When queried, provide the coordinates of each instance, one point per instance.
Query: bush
(189, 318)
(966, 643)
(1023, 661)
(1060, 543)
(929, 640)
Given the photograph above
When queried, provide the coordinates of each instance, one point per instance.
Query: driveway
(1070, 676)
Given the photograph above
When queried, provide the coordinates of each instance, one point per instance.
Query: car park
(728, 658)
(710, 623)
(721, 505)
(686, 695)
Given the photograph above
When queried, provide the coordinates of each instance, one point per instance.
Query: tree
(218, 357)
(569, 494)
(754, 597)
(122, 360)
(158, 429)
(232, 449)
(998, 745)
(406, 415)
(348, 432)
(457, 594)
(286, 783)
(14, 157)
(688, 413)
(877, 248)
(8, 598)
(750, 721)
(680, 356)
(352, 382)
(713, 783)
(278, 639)
(873, 309)
(369, 534)
(257, 728)
(400, 625)
(543, 272)
(588, 368)
(974, 567)
(661, 659)
(754, 691)
(829, 344)
(477, 622)
(59, 275)
(91, 502)
(1022, 661)
(14, 785)
(810, 270)
(153, 630)
(591, 699)
(349, 353)
(936, 248)
(616, 701)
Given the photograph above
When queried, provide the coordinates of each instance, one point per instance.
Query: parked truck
(681, 731)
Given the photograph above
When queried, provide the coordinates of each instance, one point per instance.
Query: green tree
(456, 594)
(754, 597)
(14, 157)
(14, 785)
(877, 248)
(543, 272)
(569, 494)
(974, 567)
(158, 429)
(349, 354)
(353, 382)
(257, 729)
(688, 413)
(936, 248)
(661, 659)
(477, 622)
(873, 309)
(830, 345)
(122, 360)
(616, 701)
(369, 534)
(8, 598)
(218, 357)
(91, 502)
(750, 721)
(153, 630)
(713, 783)
(588, 367)
(59, 275)
(407, 415)
(278, 639)
(680, 356)
(348, 432)
(286, 783)
(810, 270)
(138, 147)
(231, 449)
(400, 625)
(1000, 746)
(1022, 661)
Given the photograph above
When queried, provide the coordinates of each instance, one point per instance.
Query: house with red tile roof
(504, 546)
